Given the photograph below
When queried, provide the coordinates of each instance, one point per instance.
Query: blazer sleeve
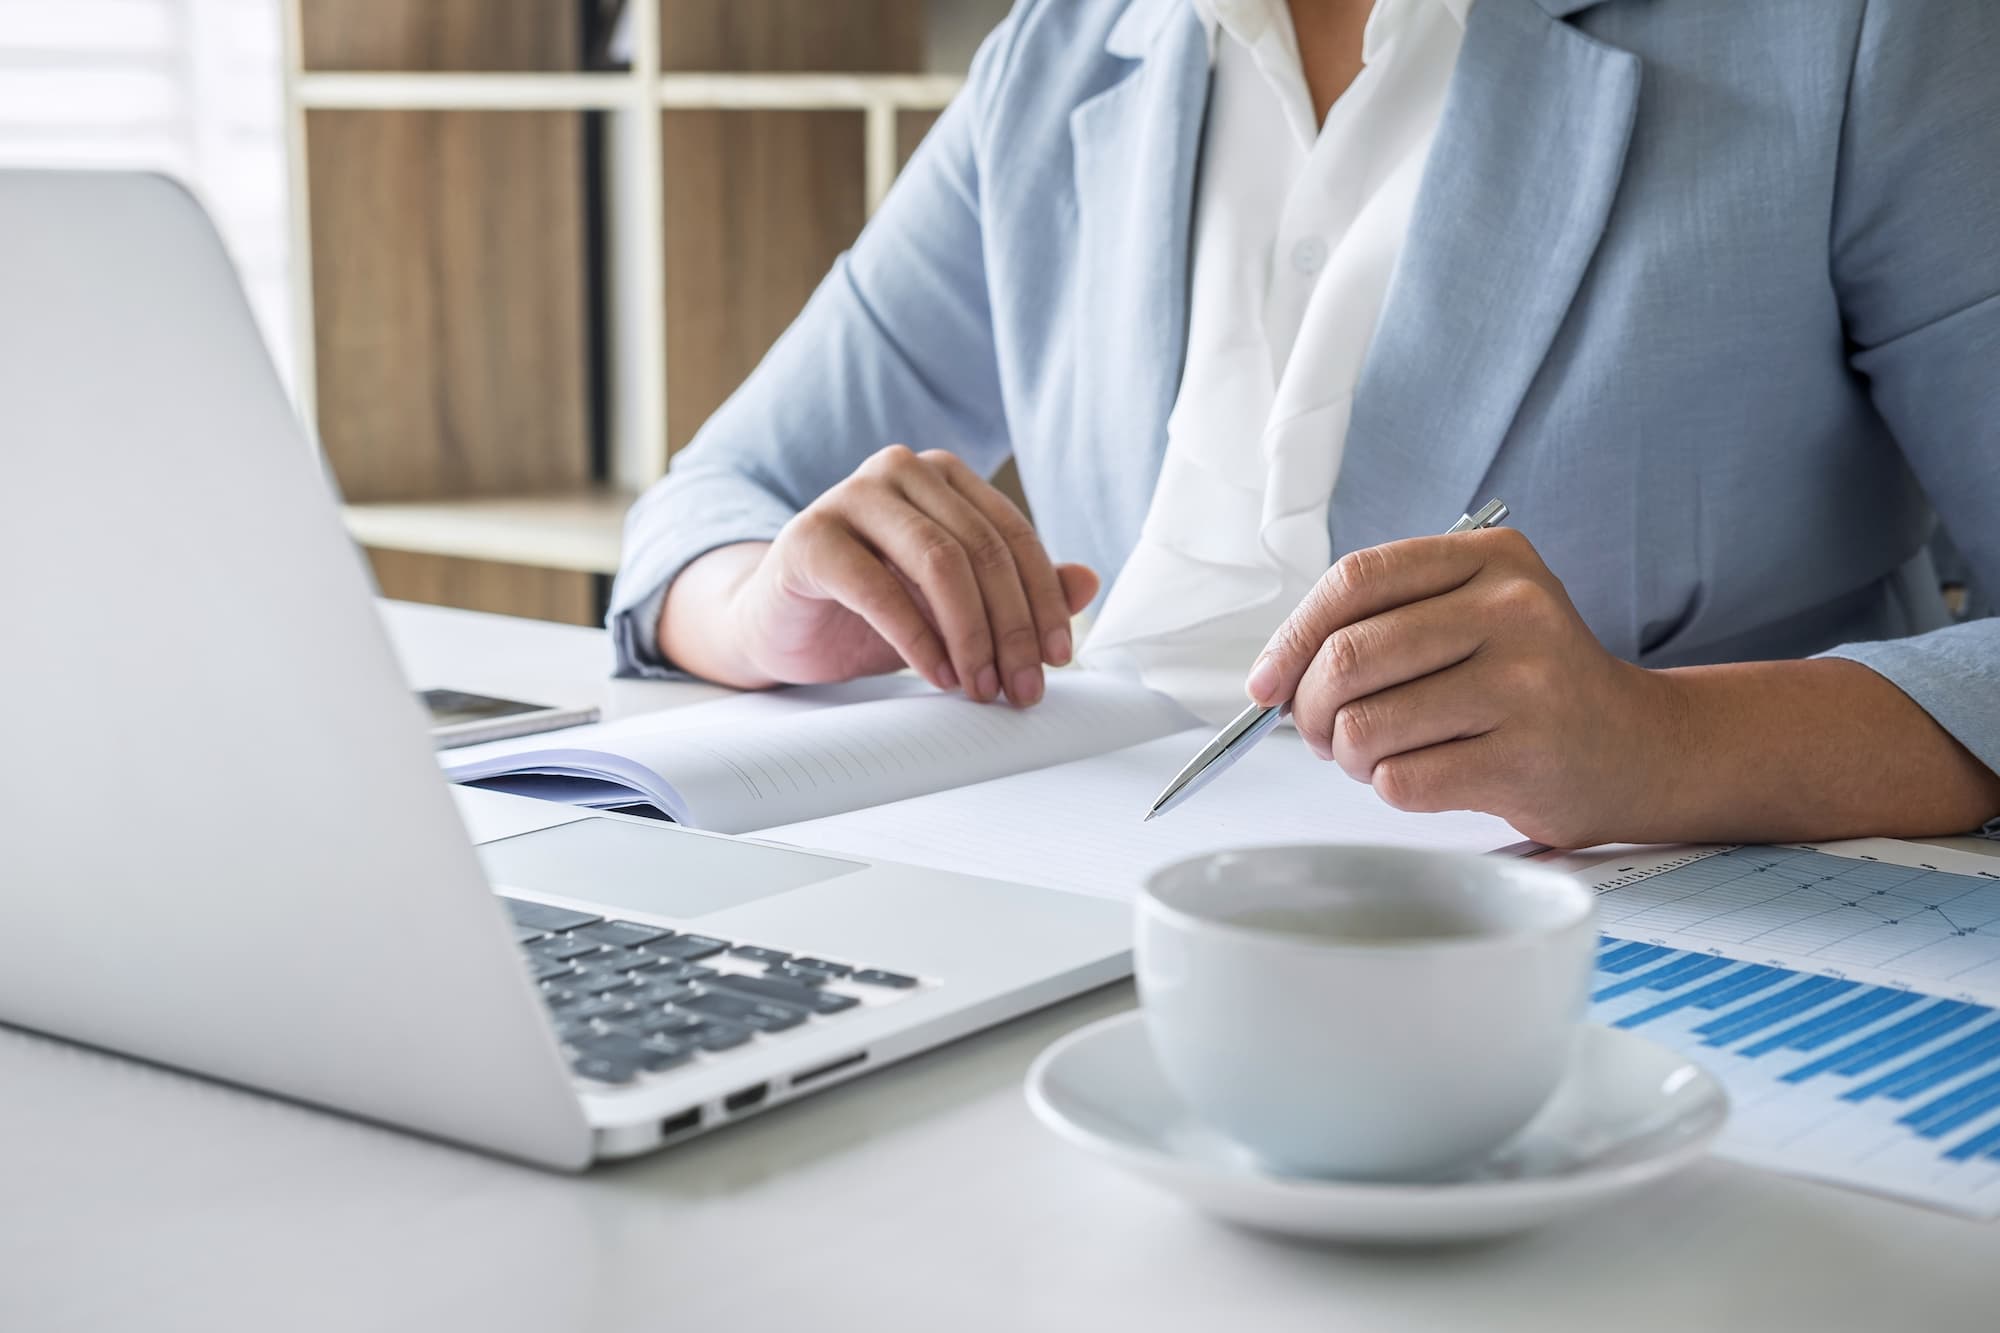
(895, 347)
(1916, 262)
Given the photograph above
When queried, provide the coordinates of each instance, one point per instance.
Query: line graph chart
(1914, 921)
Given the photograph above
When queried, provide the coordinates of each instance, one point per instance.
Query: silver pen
(1255, 722)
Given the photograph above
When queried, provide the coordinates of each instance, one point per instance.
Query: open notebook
(748, 764)
(1053, 794)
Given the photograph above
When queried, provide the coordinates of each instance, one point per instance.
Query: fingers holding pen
(1361, 584)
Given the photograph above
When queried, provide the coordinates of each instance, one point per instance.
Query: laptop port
(806, 1076)
(745, 1098)
(680, 1124)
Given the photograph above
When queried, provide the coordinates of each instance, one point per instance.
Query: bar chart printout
(1877, 1078)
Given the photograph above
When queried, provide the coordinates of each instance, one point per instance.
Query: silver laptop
(225, 845)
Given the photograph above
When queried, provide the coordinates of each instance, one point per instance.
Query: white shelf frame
(578, 530)
(636, 333)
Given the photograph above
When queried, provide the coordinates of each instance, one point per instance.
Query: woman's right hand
(913, 560)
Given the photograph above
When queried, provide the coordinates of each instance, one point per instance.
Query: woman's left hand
(1453, 673)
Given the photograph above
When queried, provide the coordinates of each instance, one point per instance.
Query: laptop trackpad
(655, 869)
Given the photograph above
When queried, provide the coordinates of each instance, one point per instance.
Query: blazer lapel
(1135, 148)
(1515, 198)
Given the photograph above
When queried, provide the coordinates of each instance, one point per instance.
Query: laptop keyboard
(629, 999)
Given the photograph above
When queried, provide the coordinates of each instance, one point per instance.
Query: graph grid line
(1838, 910)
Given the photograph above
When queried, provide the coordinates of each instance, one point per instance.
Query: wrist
(1659, 769)
(703, 627)
(1673, 748)
(1801, 750)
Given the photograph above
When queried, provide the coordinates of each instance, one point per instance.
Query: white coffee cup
(1364, 1012)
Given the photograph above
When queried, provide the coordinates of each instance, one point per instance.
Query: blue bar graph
(1729, 986)
(1684, 968)
(1621, 957)
(1629, 956)
(1739, 984)
(1987, 1143)
(1961, 1108)
(1906, 1037)
(1835, 1023)
(1936, 1112)
(1939, 1066)
(1936, 1060)
(1793, 1000)
(1891, 1042)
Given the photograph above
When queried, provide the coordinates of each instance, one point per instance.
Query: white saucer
(1627, 1113)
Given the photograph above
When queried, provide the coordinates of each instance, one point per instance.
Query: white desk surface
(923, 1197)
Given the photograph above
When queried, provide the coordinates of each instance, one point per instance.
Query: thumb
(1079, 585)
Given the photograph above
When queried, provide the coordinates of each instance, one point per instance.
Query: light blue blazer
(1707, 290)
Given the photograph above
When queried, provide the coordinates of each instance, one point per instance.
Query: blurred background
(507, 254)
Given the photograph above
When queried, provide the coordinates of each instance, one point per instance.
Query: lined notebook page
(735, 779)
(1078, 826)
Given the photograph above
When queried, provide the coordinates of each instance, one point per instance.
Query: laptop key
(657, 994)
(544, 917)
(714, 1035)
(873, 976)
(663, 1023)
(663, 1053)
(599, 1069)
(599, 983)
(770, 957)
(629, 934)
(610, 1008)
(762, 1015)
(548, 969)
(644, 1052)
(687, 948)
(614, 960)
(801, 976)
(646, 964)
(528, 934)
(820, 965)
(679, 972)
(562, 948)
(810, 998)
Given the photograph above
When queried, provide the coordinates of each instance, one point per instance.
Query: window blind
(193, 88)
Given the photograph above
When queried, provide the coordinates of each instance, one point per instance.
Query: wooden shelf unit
(522, 282)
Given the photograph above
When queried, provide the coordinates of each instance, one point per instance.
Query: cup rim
(1527, 935)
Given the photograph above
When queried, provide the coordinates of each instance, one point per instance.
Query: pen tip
(1149, 816)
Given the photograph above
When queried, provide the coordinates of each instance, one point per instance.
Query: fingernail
(1056, 644)
(947, 679)
(1263, 680)
(987, 684)
(1027, 686)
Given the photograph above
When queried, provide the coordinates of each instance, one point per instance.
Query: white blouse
(1297, 228)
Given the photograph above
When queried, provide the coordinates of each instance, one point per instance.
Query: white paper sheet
(1079, 826)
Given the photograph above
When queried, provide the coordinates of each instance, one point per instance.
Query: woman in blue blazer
(1709, 290)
